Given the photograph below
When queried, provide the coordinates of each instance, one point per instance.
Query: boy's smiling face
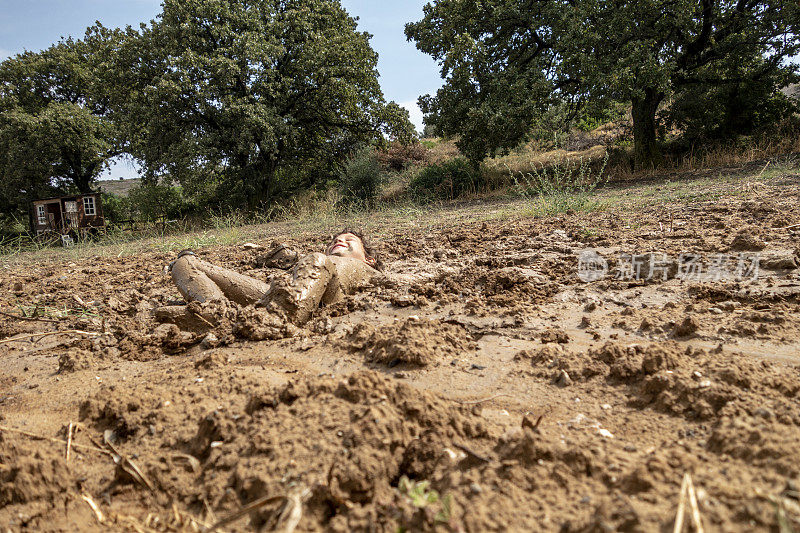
(348, 245)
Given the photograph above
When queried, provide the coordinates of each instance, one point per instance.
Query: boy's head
(349, 243)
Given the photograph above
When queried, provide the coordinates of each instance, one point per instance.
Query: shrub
(726, 112)
(361, 178)
(448, 179)
(562, 186)
(400, 156)
(116, 208)
(595, 114)
(156, 201)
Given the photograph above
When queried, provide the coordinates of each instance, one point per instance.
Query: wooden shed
(65, 214)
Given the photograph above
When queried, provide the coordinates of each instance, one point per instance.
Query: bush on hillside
(361, 178)
(400, 156)
(448, 179)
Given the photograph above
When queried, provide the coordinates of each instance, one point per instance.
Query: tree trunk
(646, 150)
(83, 183)
(260, 186)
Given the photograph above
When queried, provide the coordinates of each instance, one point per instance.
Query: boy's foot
(180, 254)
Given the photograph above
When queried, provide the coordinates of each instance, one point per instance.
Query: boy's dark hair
(369, 249)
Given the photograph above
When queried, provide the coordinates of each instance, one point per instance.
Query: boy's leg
(300, 293)
(199, 281)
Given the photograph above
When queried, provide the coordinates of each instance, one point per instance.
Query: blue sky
(405, 72)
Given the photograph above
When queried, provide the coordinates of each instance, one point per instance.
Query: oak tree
(240, 94)
(505, 61)
(55, 132)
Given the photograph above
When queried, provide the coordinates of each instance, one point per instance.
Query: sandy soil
(482, 387)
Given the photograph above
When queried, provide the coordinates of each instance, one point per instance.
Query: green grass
(422, 496)
(563, 186)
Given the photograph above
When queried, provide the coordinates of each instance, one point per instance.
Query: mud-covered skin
(542, 403)
(349, 245)
(311, 282)
(315, 279)
(200, 281)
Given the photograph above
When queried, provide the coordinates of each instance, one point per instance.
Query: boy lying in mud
(318, 278)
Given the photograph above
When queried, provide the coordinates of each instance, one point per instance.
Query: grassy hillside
(120, 187)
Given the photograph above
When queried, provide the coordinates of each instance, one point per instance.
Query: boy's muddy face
(348, 245)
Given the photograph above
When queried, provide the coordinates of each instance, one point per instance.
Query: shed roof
(65, 197)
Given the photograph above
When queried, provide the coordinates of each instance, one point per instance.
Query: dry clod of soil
(758, 440)
(747, 240)
(554, 335)
(347, 440)
(689, 326)
(211, 360)
(414, 342)
(779, 261)
(33, 474)
(75, 359)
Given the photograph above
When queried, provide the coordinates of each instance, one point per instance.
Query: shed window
(41, 217)
(71, 213)
(88, 206)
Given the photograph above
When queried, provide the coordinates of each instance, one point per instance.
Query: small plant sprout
(422, 496)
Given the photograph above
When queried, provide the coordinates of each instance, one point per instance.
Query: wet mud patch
(511, 289)
(689, 382)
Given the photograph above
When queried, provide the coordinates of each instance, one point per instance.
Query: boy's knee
(314, 262)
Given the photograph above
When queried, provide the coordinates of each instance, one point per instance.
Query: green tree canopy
(240, 93)
(55, 133)
(505, 61)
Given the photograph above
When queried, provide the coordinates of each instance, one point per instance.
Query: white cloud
(415, 114)
(5, 54)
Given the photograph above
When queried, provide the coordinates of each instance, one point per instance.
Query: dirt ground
(482, 386)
